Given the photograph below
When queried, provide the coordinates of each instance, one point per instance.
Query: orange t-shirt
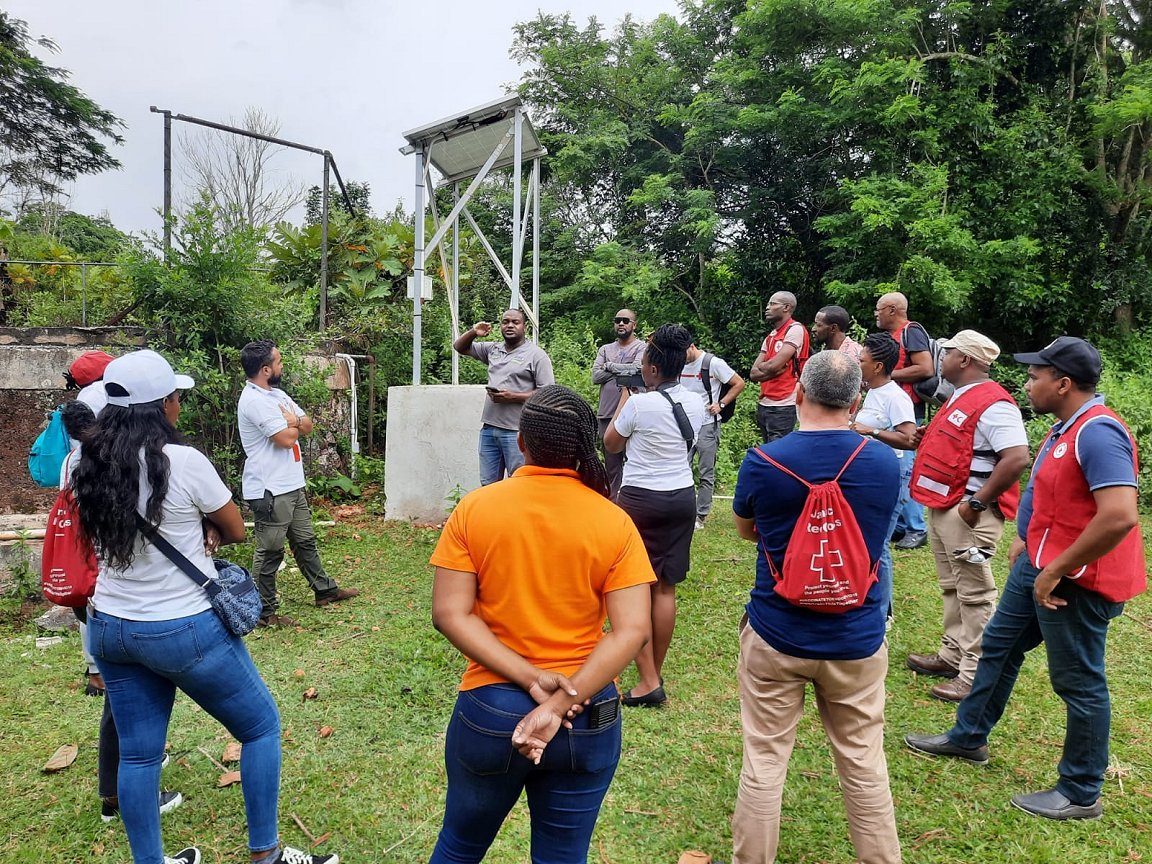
(545, 550)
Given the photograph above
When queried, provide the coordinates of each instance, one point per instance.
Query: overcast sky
(346, 75)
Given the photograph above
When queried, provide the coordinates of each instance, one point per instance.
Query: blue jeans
(486, 776)
(143, 662)
(499, 452)
(1074, 636)
(886, 553)
(911, 512)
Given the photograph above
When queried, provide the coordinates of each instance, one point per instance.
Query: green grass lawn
(386, 684)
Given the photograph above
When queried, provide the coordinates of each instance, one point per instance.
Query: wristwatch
(976, 505)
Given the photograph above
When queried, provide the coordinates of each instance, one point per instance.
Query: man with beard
(830, 331)
(271, 425)
(517, 368)
(616, 359)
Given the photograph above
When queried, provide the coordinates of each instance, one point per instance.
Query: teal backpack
(49, 450)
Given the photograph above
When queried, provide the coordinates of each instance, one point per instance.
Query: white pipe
(355, 436)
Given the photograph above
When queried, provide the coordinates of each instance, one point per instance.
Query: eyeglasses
(622, 320)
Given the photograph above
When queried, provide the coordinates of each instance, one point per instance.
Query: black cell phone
(635, 382)
(492, 389)
(604, 713)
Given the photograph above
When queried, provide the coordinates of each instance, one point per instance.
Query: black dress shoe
(1053, 805)
(941, 745)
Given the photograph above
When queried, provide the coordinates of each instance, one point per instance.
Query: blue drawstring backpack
(49, 450)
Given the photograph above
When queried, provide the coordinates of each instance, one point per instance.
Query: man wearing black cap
(1077, 559)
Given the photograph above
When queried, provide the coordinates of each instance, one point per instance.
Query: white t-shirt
(657, 455)
(999, 427)
(718, 370)
(153, 588)
(886, 408)
(268, 466)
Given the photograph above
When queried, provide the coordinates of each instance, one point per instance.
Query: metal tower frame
(471, 145)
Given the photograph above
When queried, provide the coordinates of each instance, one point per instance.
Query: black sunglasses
(622, 320)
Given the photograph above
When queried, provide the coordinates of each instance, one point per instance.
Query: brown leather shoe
(932, 664)
(277, 621)
(951, 691)
(336, 596)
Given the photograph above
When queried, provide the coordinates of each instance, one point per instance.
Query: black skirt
(665, 520)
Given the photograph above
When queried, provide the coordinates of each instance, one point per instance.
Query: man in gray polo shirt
(516, 369)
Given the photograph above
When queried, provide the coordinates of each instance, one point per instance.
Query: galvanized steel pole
(324, 248)
(418, 265)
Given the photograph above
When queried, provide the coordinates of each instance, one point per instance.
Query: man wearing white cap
(967, 472)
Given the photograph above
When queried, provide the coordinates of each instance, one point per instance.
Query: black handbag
(232, 593)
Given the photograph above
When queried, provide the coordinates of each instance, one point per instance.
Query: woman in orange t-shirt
(527, 569)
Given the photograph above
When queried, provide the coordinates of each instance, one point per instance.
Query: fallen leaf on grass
(326, 731)
(1133, 855)
(183, 763)
(64, 756)
(310, 693)
(928, 836)
(228, 779)
(231, 752)
(299, 673)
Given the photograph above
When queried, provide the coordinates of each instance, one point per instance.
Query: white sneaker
(191, 855)
(699, 523)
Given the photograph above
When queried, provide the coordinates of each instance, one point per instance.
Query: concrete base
(433, 433)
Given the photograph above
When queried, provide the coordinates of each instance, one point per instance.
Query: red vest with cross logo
(1062, 504)
(944, 457)
(782, 385)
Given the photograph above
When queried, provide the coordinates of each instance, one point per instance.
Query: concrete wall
(32, 362)
(433, 432)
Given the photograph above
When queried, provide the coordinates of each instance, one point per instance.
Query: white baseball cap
(146, 376)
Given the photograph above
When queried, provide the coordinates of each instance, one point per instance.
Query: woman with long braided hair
(657, 429)
(527, 569)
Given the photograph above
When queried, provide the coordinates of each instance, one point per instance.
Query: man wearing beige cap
(967, 472)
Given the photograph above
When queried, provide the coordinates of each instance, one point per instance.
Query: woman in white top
(151, 628)
(656, 430)
(887, 415)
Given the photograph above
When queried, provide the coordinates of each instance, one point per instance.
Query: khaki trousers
(969, 589)
(850, 698)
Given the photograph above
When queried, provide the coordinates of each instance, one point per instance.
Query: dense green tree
(90, 238)
(50, 131)
(358, 193)
(988, 158)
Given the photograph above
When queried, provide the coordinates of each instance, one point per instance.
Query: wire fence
(83, 265)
